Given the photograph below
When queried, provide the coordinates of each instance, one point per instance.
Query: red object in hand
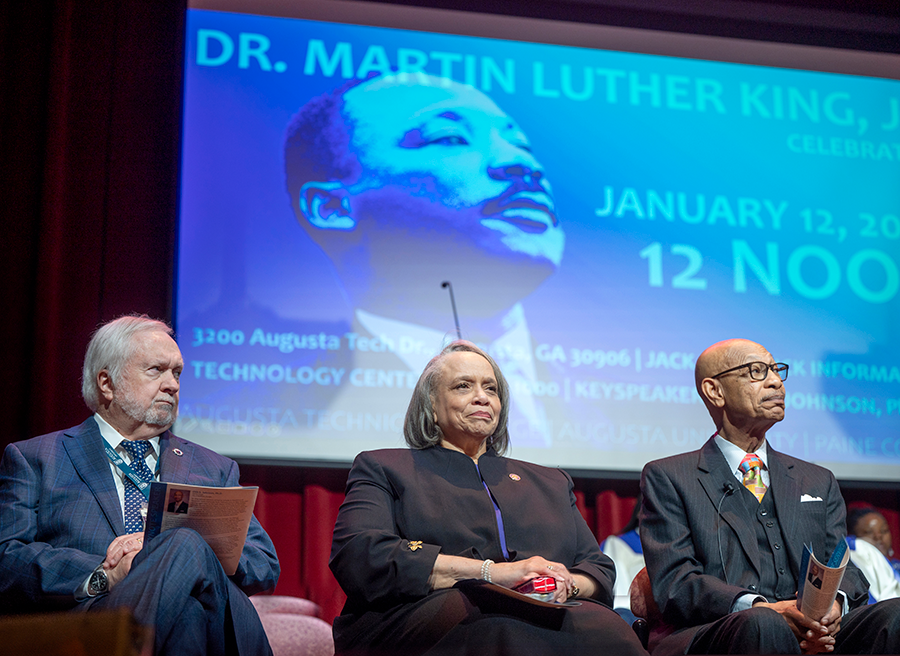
(540, 585)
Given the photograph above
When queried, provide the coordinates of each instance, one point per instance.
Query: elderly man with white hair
(72, 506)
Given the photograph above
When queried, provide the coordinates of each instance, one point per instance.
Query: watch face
(99, 582)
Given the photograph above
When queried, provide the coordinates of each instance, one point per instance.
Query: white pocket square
(805, 497)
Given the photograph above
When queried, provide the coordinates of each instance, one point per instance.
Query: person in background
(870, 525)
(870, 549)
(72, 506)
(626, 552)
(422, 528)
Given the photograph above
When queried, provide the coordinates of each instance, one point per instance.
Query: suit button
(770, 524)
(777, 546)
(781, 570)
(763, 512)
(753, 587)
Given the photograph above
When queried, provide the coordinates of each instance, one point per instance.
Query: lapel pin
(515, 477)
(178, 452)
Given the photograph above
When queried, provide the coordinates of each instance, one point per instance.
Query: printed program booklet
(221, 515)
(819, 583)
(492, 598)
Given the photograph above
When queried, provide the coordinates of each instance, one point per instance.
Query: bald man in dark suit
(723, 540)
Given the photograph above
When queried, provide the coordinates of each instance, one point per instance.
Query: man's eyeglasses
(759, 370)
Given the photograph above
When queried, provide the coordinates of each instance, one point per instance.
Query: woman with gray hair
(430, 540)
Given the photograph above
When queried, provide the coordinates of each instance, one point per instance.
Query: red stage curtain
(89, 179)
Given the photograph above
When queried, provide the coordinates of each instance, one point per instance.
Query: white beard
(155, 415)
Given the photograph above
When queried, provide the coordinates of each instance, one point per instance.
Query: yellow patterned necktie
(751, 466)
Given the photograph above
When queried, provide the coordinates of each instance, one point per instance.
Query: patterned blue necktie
(134, 498)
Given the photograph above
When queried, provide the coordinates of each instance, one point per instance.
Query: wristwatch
(99, 583)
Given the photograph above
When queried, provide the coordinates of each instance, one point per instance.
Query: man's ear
(326, 205)
(712, 391)
(104, 383)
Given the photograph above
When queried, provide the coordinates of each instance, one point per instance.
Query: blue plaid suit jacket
(59, 511)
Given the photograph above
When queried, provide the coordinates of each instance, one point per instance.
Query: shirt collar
(734, 454)
(114, 438)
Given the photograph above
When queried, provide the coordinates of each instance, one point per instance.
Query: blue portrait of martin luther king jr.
(407, 180)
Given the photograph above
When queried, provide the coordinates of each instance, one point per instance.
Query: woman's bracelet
(486, 570)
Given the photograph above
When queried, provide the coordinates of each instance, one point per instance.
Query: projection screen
(602, 204)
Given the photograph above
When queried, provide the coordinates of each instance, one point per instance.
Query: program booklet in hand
(819, 583)
(220, 514)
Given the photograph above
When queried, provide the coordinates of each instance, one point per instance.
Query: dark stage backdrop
(90, 107)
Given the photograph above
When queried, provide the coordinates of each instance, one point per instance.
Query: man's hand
(814, 637)
(120, 571)
(121, 547)
(119, 555)
(832, 623)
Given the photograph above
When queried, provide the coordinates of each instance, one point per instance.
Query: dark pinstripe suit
(679, 534)
(59, 511)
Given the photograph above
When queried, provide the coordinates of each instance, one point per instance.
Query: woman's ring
(549, 566)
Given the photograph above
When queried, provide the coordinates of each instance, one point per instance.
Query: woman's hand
(450, 569)
(510, 575)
